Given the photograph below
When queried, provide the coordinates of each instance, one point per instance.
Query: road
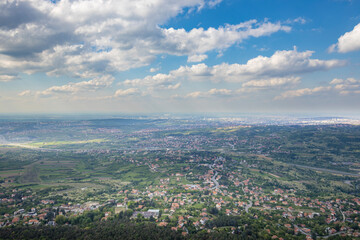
(319, 237)
(248, 206)
(326, 170)
(330, 235)
(213, 178)
(217, 186)
(342, 214)
(216, 173)
(250, 202)
(302, 231)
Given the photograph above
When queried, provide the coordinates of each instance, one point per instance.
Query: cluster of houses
(248, 195)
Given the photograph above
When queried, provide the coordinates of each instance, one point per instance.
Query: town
(220, 177)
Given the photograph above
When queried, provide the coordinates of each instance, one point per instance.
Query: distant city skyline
(153, 56)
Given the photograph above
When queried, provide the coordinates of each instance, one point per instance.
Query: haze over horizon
(104, 56)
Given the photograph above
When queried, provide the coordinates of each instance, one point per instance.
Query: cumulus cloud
(302, 92)
(213, 3)
(89, 38)
(299, 20)
(212, 92)
(279, 69)
(25, 93)
(73, 88)
(173, 87)
(280, 64)
(276, 71)
(156, 80)
(7, 78)
(348, 42)
(197, 58)
(272, 82)
(126, 92)
(199, 40)
(152, 70)
(339, 86)
(346, 86)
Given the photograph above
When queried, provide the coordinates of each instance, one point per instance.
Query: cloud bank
(260, 72)
(336, 86)
(85, 39)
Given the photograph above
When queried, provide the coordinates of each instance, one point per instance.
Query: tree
(50, 216)
(60, 219)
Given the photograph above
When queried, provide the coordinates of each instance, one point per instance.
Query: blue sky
(102, 56)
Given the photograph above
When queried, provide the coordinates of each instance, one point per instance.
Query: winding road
(248, 206)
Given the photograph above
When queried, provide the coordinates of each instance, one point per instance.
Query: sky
(189, 56)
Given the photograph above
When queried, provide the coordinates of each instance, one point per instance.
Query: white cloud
(152, 70)
(173, 87)
(212, 92)
(127, 92)
(339, 86)
(346, 86)
(153, 83)
(73, 88)
(336, 81)
(282, 63)
(272, 82)
(89, 38)
(348, 42)
(25, 93)
(213, 3)
(199, 40)
(300, 20)
(278, 69)
(258, 73)
(7, 78)
(156, 80)
(302, 92)
(197, 58)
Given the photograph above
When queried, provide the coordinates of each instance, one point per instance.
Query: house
(162, 224)
(18, 212)
(34, 222)
(51, 223)
(15, 220)
(150, 213)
